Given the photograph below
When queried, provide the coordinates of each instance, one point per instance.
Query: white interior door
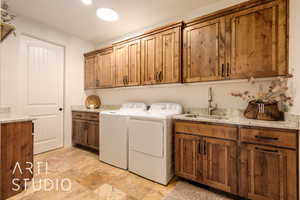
(43, 65)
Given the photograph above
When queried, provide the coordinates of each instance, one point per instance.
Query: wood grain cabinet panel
(105, 69)
(171, 56)
(204, 51)
(268, 173)
(121, 64)
(89, 72)
(93, 134)
(256, 42)
(220, 164)
(16, 147)
(151, 59)
(186, 150)
(128, 63)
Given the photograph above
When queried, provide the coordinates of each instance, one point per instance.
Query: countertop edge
(262, 124)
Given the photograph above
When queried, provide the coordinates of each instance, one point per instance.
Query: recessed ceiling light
(87, 2)
(107, 14)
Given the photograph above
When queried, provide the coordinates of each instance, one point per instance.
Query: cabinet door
(204, 51)
(121, 64)
(171, 56)
(89, 73)
(16, 149)
(105, 71)
(151, 59)
(79, 132)
(93, 134)
(255, 43)
(186, 152)
(268, 173)
(133, 71)
(220, 164)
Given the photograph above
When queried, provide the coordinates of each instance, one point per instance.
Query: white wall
(196, 95)
(10, 67)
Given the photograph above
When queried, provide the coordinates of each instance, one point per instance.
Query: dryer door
(146, 149)
(146, 137)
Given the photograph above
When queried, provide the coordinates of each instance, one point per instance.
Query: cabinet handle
(204, 147)
(267, 150)
(223, 70)
(127, 80)
(265, 138)
(123, 80)
(161, 76)
(228, 69)
(156, 76)
(199, 146)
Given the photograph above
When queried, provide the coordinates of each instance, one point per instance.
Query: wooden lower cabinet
(186, 152)
(206, 160)
(16, 150)
(85, 129)
(268, 173)
(257, 169)
(220, 164)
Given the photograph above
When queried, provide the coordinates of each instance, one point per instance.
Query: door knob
(60, 109)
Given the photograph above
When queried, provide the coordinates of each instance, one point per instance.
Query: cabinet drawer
(208, 130)
(269, 137)
(86, 116)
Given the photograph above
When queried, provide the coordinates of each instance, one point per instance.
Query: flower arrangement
(277, 93)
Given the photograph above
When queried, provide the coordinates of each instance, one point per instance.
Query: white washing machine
(150, 142)
(113, 144)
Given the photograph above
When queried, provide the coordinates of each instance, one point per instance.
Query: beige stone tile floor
(90, 178)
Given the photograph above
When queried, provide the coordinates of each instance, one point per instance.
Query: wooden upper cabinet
(204, 51)
(104, 70)
(220, 164)
(256, 42)
(268, 173)
(133, 75)
(161, 56)
(89, 72)
(128, 63)
(151, 64)
(121, 60)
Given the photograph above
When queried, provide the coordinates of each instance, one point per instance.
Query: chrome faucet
(211, 108)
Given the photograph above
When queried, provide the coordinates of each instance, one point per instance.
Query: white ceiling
(73, 17)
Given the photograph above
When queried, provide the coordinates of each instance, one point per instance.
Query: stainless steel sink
(205, 116)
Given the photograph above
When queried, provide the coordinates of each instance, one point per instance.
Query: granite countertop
(102, 108)
(292, 121)
(11, 118)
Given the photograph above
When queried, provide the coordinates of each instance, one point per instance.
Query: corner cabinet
(89, 72)
(161, 55)
(253, 163)
(99, 69)
(250, 41)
